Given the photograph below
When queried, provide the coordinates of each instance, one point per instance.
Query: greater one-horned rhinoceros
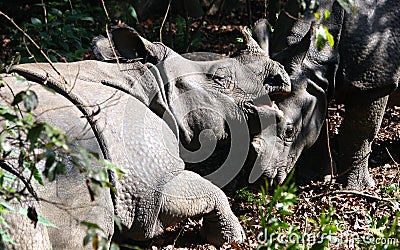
(139, 109)
(360, 70)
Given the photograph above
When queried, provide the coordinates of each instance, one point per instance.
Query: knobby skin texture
(360, 70)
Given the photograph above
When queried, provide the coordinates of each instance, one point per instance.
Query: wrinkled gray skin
(135, 121)
(361, 70)
(258, 67)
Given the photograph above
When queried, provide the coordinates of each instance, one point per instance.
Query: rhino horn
(252, 47)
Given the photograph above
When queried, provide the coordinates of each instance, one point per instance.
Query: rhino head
(303, 108)
(224, 101)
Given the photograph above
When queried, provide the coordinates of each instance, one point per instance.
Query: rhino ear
(101, 48)
(262, 34)
(128, 44)
(293, 56)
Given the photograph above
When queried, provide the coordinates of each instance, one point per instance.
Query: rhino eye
(289, 132)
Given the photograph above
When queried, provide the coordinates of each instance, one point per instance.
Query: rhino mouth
(264, 105)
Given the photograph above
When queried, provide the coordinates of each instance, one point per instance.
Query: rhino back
(369, 48)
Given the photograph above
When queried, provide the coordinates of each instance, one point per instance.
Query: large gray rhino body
(360, 70)
(145, 109)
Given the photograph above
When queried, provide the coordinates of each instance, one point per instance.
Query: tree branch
(27, 184)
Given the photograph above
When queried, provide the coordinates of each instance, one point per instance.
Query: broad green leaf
(117, 222)
(6, 238)
(317, 15)
(31, 100)
(114, 246)
(331, 40)
(347, 5)
(2, 82)
(382, 222)
(18, 98)
(35, 173)
(87, 18)
(35, 21)
(34, 133)
(327, 14)
(91, 225)
(239, 39)
(88, 238)
(6, 205)
(41, 219)
(132, 13)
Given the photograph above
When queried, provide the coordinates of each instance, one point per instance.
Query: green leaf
(347, 5)
(91, 225)
(331, 40)
(41, 219)
(35, 21)
(88, 238)
(7, 206)
(34, 133)
(87, 18)
(132, 13)
(31, 100)
(317, 15)
(18, 98)
(117, 222)
(36, 174)
(6, 238)
(114, 246)
(2, 82)
(320, 38)
(239, 39)
(382, 222)
(327, 14)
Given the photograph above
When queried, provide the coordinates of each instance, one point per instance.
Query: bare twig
(352, 192)
(45, 15)
(328, 144)
(391, 157)
(108, 34)
(34, 43)
(165, 18)
(397, 166)
(265, 8)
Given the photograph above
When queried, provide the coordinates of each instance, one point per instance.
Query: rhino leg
(188, 195)
(364, 113)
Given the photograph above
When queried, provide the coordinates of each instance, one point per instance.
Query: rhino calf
(360, 70)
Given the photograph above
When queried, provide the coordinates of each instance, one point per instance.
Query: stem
(164, 19)
(27, 184)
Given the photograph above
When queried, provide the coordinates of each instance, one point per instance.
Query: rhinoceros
(360, 71)
(145, 113)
